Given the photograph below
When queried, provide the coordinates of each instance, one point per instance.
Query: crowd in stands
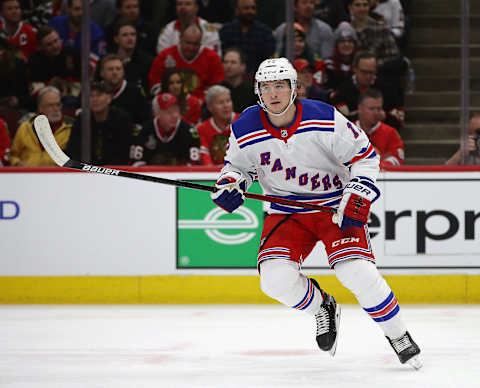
(169, 76)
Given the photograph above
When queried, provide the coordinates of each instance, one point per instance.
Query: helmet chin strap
(262, 104)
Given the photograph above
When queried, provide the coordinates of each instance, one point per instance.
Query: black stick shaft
(75, 165)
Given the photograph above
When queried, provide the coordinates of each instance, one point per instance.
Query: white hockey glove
(229, 194)
(354, 207)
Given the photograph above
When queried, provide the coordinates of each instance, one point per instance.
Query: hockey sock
(281, 280)
(373, 293)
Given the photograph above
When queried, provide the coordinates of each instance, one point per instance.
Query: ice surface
(228, 346)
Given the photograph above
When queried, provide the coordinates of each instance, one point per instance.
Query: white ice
(228, 346)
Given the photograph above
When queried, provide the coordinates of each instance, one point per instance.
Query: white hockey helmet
(276, 69)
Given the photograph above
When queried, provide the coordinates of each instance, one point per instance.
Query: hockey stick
(44, 132)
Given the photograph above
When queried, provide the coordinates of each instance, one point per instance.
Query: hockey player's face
(11, 11)
(275, 95)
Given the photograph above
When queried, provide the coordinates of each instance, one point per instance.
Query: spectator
(13, 84)
(392, 13)
(246, 32)
(69, 30)
(102, 12)
(129, 11)
(216, 11)
(4, 144)
(472, 146)
(386, 140)
(339, 66)
(136, 62)
(52, 63)
(39, 13)
(190, 106)
(111, 131)
(241, 91)
(167, 139)
(26, 148)
(307, 86)
(214, 132)
(345, 97)
(301, 50)
(319, 34)
(187, 11)
(201, 67)
(124, 95)
(332, 12)
(375, 36)
(18, 33)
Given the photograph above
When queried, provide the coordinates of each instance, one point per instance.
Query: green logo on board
(209, 237)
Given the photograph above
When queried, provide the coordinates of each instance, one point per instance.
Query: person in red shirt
(214, 132)
(385, 139)
(190, 106)
(5, 143)
(17, 32)
(201, 67)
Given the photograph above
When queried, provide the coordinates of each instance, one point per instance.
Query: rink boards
(72, 237)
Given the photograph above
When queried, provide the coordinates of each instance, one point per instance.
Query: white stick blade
(44, 132)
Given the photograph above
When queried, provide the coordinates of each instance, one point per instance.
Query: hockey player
(307, 151)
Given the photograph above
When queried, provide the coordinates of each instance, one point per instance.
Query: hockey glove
(354, 207)
(229, 194)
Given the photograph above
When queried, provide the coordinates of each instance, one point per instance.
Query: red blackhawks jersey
(387, 143)
(24, 38)
(213, 140)
(199, 74)
(4, 143)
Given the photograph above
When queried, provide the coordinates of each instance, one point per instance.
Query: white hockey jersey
(170, 36)
(310, 161)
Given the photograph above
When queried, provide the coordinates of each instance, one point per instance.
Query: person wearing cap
(111, 131)
(305, 73)
(319, 35)
(339, 65)
(166, 139)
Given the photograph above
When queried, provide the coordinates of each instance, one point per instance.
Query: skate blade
(415, 362)
(337, 325)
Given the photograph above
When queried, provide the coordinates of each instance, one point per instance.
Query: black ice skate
(407, 350)
(328, 320)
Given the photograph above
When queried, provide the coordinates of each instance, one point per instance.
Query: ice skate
(328, 320)
(407, 350)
